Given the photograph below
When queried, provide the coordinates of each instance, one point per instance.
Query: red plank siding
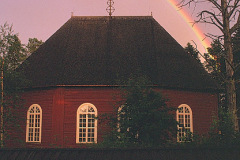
(58, 117)
(59, 107)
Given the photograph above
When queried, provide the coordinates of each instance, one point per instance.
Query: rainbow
(188, 19)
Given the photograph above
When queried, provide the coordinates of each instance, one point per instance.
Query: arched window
(185, 123)
(34, 123)
(86, 124)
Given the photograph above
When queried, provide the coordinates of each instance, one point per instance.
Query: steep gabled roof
(105, 51)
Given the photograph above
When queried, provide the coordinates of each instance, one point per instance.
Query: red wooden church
(76, 72)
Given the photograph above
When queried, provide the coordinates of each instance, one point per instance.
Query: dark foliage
(192, 51)
(143, 119)
(13, 53)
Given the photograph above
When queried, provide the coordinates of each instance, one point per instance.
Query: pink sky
(41, 18)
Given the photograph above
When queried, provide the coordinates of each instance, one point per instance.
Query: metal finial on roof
(110, 9)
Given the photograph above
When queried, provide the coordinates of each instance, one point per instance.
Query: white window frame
(79, 111)
(34, 114)
(184, 114)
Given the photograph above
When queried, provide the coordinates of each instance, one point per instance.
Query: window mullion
(34, 118)
(87, 127)
(184, 121)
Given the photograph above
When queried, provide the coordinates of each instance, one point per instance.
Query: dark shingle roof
(104, 50)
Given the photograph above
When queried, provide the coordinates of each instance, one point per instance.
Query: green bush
(144, 119)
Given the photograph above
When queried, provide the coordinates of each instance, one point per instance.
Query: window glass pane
(37, 110)
(83, 109)
(90, 109)
(180, 110)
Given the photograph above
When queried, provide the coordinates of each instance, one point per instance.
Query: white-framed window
(86, 131)
(34, 124)
(185, 123)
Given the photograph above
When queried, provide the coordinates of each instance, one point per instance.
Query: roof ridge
(112, 17)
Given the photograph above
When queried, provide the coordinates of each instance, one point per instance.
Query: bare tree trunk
(231, 102)
(230, 86)
(230, 81)
(2, 128)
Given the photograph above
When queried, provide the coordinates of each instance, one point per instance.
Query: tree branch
(213, 17)
(236, 25)
(237, 68)
(214, 2)
(234, 7)
(184, 3)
